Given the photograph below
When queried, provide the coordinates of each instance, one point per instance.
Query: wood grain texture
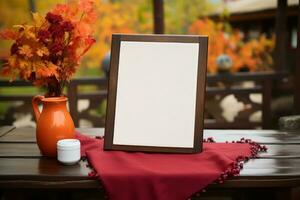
(41, 169)
(5, 129)
(27, 134)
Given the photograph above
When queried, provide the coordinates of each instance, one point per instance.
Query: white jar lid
(68, 144)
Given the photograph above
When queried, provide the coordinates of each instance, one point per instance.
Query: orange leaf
(42, 51)
(8, 35)
(26, 51)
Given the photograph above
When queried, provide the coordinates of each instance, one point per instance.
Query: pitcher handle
(35, 102)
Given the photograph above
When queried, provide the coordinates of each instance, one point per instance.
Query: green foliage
(20, 90)
(13, 12)
(180, 14)
(89, 71)
(3, 107)
(43, 6)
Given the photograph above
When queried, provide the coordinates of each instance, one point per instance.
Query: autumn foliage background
(125, 17)
(251, 55)
(135, 16)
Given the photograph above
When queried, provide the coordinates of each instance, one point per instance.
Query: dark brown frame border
(112, 91)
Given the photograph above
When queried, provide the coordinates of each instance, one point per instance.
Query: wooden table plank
(5, 129)
(41, 169)
(27, 134)
(44, 167)
(30, 150)
(19, 150)
(281, 151)
(260, 136)
(45, 172)
(23, 141)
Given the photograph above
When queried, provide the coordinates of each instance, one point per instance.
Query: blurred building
(259, 16)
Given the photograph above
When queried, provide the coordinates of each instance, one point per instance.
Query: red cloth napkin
(148, 176)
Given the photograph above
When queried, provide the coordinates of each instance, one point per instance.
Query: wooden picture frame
(159, 109)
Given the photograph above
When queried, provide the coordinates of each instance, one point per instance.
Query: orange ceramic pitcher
(53, 123)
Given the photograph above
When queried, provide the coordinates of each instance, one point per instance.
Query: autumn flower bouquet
(47, 52)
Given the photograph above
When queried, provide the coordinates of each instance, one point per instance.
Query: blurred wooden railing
(95, 99)
(221, 85)
(218, 87)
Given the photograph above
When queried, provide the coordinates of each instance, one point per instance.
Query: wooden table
(24, 173)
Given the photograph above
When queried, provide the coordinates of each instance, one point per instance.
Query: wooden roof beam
(281, 36)
(297, 71)
(158, 16)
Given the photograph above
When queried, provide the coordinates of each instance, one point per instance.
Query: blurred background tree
(246, 55)
(132, 16)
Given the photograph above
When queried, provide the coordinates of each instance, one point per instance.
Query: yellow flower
(26, 51)
(42, 51)
(12, 60)
(23, 64)
(29, 34)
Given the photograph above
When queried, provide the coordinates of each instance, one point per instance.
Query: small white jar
(68, 151)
